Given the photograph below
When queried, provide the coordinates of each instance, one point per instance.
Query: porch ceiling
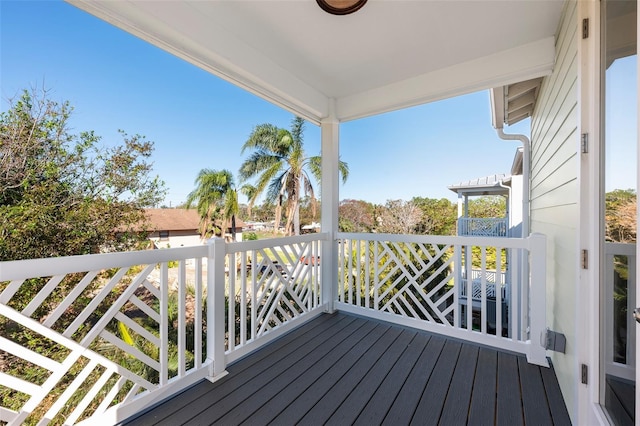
(387, 56)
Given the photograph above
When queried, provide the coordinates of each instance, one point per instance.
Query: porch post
(215, 308)
(537, 299)
(329, 210)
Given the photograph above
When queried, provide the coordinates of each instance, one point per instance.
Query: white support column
(215, 309)
(330, 177)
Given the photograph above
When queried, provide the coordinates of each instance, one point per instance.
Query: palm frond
(263, 136)
(297, 131)
(343, 168)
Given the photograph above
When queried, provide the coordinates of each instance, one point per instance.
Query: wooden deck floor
(341, 369)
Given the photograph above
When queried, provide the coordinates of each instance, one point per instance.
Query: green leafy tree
(620, 227)
(439, 216)
(62, 193)
(279, 163)
(263, 212)
(215, 198)
(249, 191)
(308, 211)
(488, 206)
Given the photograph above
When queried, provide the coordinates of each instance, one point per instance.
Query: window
(164, 235)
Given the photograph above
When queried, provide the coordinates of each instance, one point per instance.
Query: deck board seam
(349, 342)
(346, 330)
(331, 328)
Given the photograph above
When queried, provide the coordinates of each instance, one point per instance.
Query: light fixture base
(341, 7)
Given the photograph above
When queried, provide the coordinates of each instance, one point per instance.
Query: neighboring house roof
(177, 220)
(488, 185)
(173, 219)
(516, 167)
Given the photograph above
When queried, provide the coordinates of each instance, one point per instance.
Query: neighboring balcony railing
(483, 227)
(491, 278)
(620, 271)
(417, 280)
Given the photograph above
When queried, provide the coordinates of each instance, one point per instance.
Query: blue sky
(116, 81)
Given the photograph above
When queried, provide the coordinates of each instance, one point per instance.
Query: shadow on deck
(342, 369)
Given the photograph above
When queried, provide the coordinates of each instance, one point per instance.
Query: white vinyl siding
(554, 191)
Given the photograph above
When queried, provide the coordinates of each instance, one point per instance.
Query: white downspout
(526, 154)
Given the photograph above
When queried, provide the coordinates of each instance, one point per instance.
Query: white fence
(274, 281)
(96, 338)
(416, 280)
(619, 302)
(483, 227)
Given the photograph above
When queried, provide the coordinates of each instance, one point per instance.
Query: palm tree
(279, 163)
(215, 197)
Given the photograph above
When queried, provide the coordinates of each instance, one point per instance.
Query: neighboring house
(255, 226)
(312, 227)
(509, 187)
(485, 226)
(551, 61)
(180, 228)
(240, 227)
(173, 227)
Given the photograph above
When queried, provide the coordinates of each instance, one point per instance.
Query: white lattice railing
(620, 268)
(483, 227)
(283, 286)
(416, 280)
(97, 338)
(87, 334)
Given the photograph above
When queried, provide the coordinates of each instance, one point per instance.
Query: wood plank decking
(341, 369)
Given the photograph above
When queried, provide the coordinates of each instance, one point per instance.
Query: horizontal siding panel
(567, 193)
(550, 215)
(565, 146)
(562, 141)
(563, 174)
(565, 52)
(565, 72)
(555, 118)
(560, 241)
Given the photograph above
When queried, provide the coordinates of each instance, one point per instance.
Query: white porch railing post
(215, 308)
(329, 218)
(537, 299)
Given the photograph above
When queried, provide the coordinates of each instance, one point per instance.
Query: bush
(249, 236)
